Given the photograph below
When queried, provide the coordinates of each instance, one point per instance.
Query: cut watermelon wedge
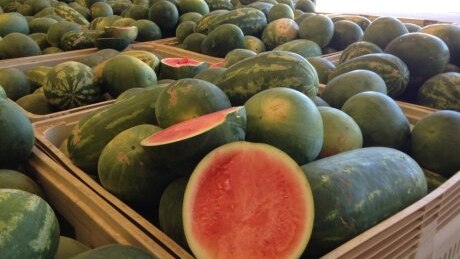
(183, 145)
(178, 68)
(248, 200)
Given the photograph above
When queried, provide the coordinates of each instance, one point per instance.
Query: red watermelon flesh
(247, 200)
(181, 62)
(189, 128)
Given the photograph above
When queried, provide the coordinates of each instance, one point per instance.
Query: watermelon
(305, 48)
(193, 42)
(211, 75)
(123, 72)
(145, 56)
(236, 56)
(14, 82)
(89, 137)
(184, 144)
(125, 169)
(57, 30)
(264, 7)
(435, 142)
(425, 56)
(112, 43)
(383, 30)
(285, 119)
(30, 228)
(70, 14)
(322, 66)
(17, 135)
(178, 68)
(69, 247)
(190, 16)
(184, 29)
(147, 30)
(13, 22)
(342, 87)
(219, 5)
(115, 251)
(74, 40)
(36, 104)
(318, 28)
(254, 44)
(361, 21)
(202, 25)
(101, 9)
(124, 31)
(393, 70)
(71, 84)
(278, 32)
(165, 15)
(41, 24)
(279, 11)
(450, 34)
(341, 133)
(41, 39)
(345, 33)
(197, 6)
(357, 49)
(17, 45)
(268, 70)
(222, 40)
(170, 211)
(307, 6)
(268, 200)
(250, 20)
(411, 27)
(186, 99)
(12, 179)
(442, 92)
(380, 119)
(2, 93)
(355, 190)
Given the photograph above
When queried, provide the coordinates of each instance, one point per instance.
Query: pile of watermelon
(250, 166)
(100, 76)
(30, 227)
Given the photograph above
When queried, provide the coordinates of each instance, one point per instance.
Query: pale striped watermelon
(71, 84)
(28, 226)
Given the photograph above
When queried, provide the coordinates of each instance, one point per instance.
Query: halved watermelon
(182, 145)
(178, 68)
(247, 200)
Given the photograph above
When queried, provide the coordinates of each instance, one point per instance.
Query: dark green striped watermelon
(441, 92)
(355, 190)
(269, 70)
(250, 20)
(450, 34)
(29, 226)
(279, 31)
(126, 170)
(358, 49)
(89, 137)
(393, 70)
(71, 84)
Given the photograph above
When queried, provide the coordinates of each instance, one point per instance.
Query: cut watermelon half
(182, 145)
(178, 68)
(248, 200)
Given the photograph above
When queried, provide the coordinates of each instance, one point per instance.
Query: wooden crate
(94, 220)
(27, 63)
(49, 136)
(426, 229)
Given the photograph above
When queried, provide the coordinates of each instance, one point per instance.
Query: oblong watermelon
(357, 189)
(269, 70)
(247, 200)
